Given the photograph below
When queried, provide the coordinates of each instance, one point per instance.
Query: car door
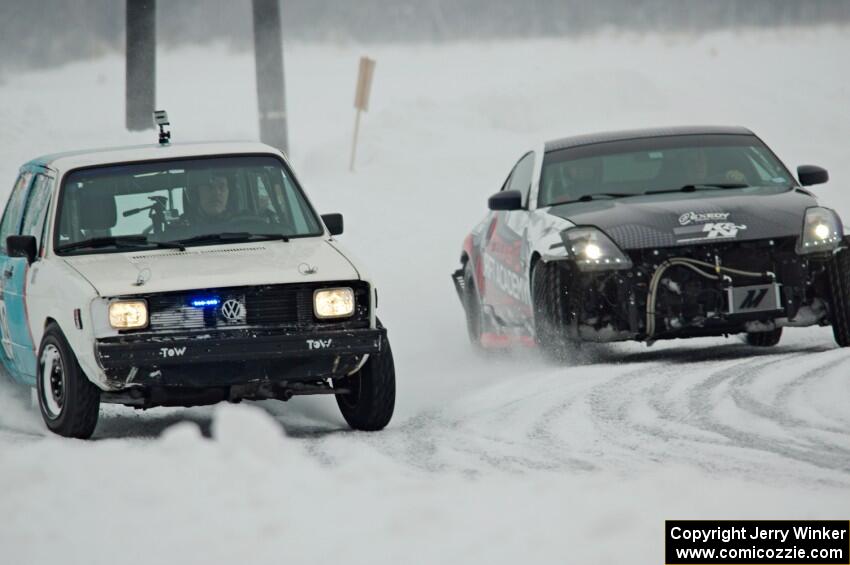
(506, 290)
(10, 225)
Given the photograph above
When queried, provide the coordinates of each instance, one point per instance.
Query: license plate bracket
(754, 298)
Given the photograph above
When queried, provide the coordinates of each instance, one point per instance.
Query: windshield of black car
(178, 200)
(638, 166)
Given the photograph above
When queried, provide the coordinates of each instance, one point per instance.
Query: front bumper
(651, 301)
(202, 359)
(206, 347)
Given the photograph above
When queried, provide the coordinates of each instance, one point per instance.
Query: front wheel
(69, 402)
(550, 302)
(370, 403)
(839, 286)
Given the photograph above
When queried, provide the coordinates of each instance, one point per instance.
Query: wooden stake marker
(361, 98)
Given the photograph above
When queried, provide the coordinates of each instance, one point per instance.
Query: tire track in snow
(816, 453)
(670, 406)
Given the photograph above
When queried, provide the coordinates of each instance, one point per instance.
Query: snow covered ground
(488, 460)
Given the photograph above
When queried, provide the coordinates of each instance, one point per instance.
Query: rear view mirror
(22, 246)
(812, 174)
(506, 200)
(333, 222)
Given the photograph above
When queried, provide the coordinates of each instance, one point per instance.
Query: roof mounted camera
(160, 118)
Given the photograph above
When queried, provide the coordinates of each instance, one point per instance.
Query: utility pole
(268, 58)
(141, 64)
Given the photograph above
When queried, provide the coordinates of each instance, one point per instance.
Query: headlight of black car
(592, 250)
(822, 231)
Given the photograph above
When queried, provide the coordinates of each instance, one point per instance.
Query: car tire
(472, 306)
(370, 404)
(69, 401)
(764, 339)
(549, 301)
(838, 270)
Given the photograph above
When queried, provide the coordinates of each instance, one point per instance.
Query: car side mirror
(505, 200)
(812, 174)
(22, 246)
(333, 222)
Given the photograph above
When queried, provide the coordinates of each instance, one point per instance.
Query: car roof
(604, 137)
(149, 152)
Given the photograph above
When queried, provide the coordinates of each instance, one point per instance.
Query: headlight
(592, 250)
(333, 303)
(128, 314)
(822, 231)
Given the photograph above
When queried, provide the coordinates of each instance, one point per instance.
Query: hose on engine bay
(694, 265)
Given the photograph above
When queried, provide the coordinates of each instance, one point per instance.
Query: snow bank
(250, 494)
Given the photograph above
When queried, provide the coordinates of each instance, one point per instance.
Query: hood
(669, 220)
(214, 266)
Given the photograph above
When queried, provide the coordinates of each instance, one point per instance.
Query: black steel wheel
(69, 402)
(370, 403)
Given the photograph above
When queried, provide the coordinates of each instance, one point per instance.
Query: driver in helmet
(697, 167)
(208, 200)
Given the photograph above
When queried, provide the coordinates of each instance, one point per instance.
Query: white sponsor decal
(711, 231)
(697, 217)
(319, 343)
(172, 351)
(506, 280)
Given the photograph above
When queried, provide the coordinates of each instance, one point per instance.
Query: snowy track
(502, 459)
(728, 408)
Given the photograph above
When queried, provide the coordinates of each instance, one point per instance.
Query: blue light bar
(205, 302)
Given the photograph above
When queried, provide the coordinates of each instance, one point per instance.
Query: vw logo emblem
(232, 310)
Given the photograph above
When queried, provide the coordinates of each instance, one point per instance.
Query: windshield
(632, 167)
(193, 201)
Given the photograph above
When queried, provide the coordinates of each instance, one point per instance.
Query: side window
(521, 176)
(14, 210)
(36, 208)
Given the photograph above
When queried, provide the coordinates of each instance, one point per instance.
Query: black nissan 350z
(654, 234)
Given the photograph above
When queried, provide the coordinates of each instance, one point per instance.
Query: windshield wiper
(133, 241)
(695, 187)
(231, 237)
(595, 195)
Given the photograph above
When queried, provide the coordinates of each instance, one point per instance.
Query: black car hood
(705, 216)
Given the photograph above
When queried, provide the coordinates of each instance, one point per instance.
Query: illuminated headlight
(333, 303)
(822, 231)
(128, 314)
(592, 250)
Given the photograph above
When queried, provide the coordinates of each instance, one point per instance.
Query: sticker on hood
(700, 217)
(710, 231)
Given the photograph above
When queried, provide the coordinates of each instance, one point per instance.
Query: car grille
(288, 305)
(757, 255)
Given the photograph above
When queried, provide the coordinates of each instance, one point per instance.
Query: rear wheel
(370, 404)
(69, 402)
(551, 318)
(764, 339)
(472, 306)
(839, 286)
